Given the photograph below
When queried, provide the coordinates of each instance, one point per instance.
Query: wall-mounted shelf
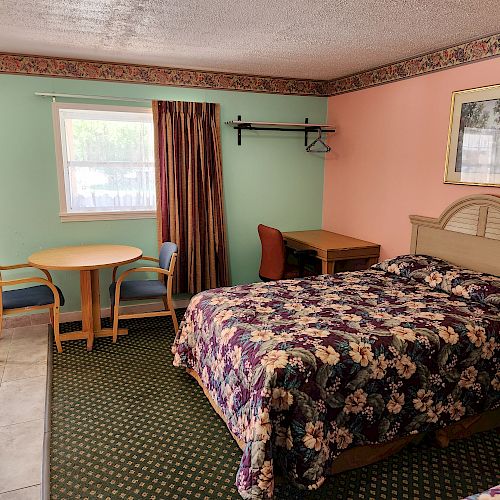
(305, 127)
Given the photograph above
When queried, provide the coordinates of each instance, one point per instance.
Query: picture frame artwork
(473, 153)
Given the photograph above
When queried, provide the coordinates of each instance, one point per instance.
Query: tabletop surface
(84, 257)
(326, 240)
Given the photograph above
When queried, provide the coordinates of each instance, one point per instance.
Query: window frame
(64, 214)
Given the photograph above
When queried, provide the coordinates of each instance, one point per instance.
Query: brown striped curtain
(189, 192)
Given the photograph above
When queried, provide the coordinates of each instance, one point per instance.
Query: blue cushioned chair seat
(40, 295)
(138, 289)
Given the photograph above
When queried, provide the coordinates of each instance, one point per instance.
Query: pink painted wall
(389, 153)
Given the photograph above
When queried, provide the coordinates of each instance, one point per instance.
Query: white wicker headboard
(467, 234)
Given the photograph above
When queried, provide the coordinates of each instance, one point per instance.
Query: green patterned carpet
(126, 424)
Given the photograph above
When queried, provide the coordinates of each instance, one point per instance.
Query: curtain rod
(98, 97)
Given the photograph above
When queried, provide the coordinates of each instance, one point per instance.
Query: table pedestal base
(79, 335)
(91, 311)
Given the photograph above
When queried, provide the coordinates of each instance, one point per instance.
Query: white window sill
(90, 216)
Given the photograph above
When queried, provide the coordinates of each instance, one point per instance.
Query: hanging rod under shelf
(305, 127)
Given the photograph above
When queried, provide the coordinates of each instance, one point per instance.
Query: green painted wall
(269, 179)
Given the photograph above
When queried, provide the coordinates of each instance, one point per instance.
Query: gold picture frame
(473, 149)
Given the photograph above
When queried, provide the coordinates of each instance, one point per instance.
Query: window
(479, 151)
(105, 157)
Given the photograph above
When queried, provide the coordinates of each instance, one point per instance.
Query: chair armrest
(153, 259)
(15, 266)
(157, 270)
(144, 257)
(25, 265)
(34, 279)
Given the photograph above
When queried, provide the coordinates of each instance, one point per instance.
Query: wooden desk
(87, 259)
(337, 252)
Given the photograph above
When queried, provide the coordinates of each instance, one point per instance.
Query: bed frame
(467, 234)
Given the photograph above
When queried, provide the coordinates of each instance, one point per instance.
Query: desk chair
(274, 263)
(43, 296)
(121, 290)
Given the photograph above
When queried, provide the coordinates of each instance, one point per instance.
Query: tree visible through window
(107, 158)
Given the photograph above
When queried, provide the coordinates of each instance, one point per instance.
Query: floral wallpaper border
(464, 53)
(154, 75)
(60, 67)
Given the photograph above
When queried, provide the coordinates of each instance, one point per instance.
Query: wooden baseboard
(43, 318)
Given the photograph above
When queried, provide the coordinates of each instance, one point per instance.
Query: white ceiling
(291, 38)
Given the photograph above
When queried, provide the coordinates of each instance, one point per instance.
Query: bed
(318, 375)
(490, 494)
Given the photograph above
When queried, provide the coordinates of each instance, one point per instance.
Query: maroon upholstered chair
(274, 263)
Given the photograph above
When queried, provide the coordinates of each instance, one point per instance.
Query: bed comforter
(304, 369)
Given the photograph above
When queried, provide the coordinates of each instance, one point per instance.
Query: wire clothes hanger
(319, 141)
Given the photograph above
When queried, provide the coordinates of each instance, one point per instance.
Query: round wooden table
(87, 259)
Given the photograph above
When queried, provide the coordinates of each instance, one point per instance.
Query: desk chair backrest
(166, 251)
(272, 263)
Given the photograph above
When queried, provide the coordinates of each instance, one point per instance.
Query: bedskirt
(361, 456)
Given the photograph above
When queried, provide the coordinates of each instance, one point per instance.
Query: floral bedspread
(304, 369)
(491, 494)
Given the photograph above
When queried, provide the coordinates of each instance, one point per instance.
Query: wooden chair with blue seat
(44, 295)
(121, 290)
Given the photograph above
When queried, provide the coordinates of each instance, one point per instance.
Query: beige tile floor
(23, 372)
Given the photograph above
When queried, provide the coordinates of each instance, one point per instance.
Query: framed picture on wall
(473, 155)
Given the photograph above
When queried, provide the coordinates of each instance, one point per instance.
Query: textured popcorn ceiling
(301, 39)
